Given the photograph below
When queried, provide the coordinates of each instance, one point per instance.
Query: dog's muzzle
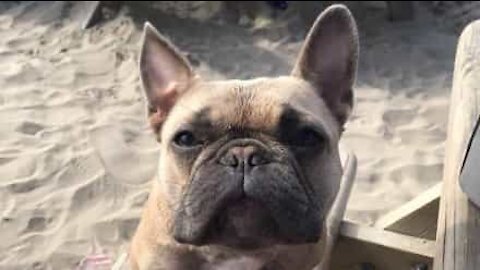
(246, 196)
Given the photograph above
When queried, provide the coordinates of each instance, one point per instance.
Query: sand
(77, 156)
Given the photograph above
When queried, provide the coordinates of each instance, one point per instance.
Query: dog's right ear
(165, 75)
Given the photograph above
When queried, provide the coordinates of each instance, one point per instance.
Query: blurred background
(77, 156)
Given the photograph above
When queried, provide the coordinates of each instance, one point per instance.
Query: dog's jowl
(248, 168)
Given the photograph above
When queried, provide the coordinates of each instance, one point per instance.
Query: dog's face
(253, 163)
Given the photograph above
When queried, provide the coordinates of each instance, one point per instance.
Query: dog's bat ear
(165, 74)
(328, 59)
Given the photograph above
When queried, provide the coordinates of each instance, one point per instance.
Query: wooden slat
(458, 229)
(363, 247)
(416, 218)
(396, 241)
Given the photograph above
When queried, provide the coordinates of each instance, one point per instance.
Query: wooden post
(458, 230)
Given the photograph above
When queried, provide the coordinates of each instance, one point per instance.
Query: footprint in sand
(398, 117)
(30, 128)
(36, 224)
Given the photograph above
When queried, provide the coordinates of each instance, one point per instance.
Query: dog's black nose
(244, 157)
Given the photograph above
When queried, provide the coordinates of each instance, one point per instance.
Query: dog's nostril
(241, 156)
(257, 159)
(229, 160)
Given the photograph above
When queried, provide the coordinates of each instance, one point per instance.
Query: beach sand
(77, 156)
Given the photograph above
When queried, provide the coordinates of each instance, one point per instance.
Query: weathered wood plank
(458, 229)
(396, 241)
(470, 174)
(417, 217)
(363, 247)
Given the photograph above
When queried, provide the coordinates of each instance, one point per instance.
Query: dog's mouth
(244, 224)
(247, 220)
(240, 222)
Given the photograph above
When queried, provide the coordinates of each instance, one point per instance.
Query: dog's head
(252, 163)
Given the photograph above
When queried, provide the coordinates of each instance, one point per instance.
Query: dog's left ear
(165, 75)
(328, 59)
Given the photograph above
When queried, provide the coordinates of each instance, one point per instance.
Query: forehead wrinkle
(242, 99)
(243, 107)
(253, 110)
(253, 104)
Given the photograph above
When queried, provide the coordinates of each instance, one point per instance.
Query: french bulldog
(248, 169)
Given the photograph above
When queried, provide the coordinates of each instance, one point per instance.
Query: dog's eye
(307, 137)
(185, 139)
